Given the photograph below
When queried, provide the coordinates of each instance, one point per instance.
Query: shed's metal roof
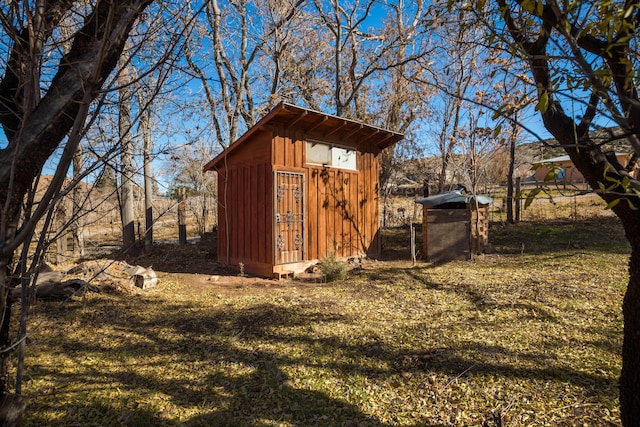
(454, 196)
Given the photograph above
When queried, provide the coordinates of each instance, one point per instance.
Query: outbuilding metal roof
(454, 196)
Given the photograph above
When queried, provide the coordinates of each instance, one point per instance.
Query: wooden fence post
(413, 244)
(517, 199)
(60, 220)
(182, 217)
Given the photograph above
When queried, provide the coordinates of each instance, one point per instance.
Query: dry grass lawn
(529, 336)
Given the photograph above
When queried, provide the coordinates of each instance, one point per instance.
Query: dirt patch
(192, 268)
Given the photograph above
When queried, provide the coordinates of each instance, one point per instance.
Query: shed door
(289, 217)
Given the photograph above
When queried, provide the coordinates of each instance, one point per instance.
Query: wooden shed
(296, 187)
(454, 226)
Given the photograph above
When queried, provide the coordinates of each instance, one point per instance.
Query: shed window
(319, 153)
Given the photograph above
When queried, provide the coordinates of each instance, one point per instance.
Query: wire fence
(564, 205)
(102, 222)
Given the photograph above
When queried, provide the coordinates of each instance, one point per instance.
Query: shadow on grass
(144, 346)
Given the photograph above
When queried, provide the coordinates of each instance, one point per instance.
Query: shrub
(332, 269)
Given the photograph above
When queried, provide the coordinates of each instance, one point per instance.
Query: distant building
(565, 171)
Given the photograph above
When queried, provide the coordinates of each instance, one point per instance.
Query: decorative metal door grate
(289, 217)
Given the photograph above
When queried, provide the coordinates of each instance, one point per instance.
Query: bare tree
(401, 100)
(454, 76)
(52, 89)
(233, 96)
(127, 168)
(147, 158)
(77, 202)
(186, 171)
(360, 53)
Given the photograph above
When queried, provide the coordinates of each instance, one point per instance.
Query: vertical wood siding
(342, 210)
(341, 205)
(249, 204)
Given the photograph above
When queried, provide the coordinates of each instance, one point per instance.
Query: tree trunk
(77, 220)
(517, 201)
(5, 316)
(182, 217)
(37, 116)
(630, 375)
(442, 176)
(11, 406)
(512, 162)
(509, 201)
(148, 182)
(126, 158)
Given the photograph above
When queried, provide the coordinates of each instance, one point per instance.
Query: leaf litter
(512, 339)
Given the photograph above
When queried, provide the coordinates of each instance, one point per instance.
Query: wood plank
(366, 214)
(239, 216)
(229, 208)
(263, 210)
(256, 212)
(312, 213)
(222, 224)
(255, 150)
(289, 156)
(362, 199)
(323, 217)
(268, 217)
(375, 223)
(300, 149)
(247, 213)
(331, 226)
(343, 226)
(232, 200)
(425, 233)
(353, 213)
(279, 147)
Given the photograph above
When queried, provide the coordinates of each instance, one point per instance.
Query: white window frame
(341, 157)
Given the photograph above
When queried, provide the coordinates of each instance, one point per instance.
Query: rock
(49, 277)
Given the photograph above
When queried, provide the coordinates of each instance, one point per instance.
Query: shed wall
(342, 205)
(245, 190)
(246, 213)
(342, 213)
